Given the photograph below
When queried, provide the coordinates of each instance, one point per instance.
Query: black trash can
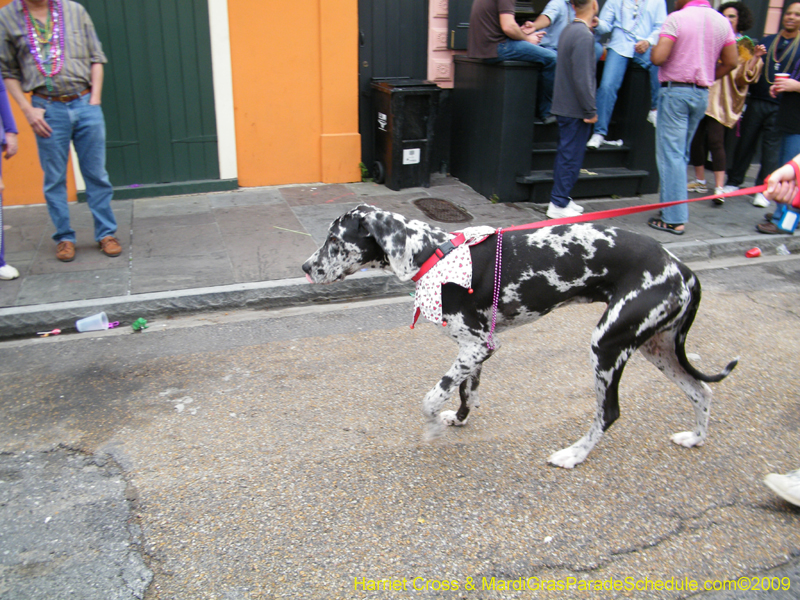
(405, 117)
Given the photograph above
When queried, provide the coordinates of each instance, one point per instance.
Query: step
(592, 183)
(543, 156)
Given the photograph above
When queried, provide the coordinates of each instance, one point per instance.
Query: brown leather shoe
(65, 251)
(110, 246)
(771, 228)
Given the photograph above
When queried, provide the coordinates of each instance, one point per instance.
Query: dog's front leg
(464, 374)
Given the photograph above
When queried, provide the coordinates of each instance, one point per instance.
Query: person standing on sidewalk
(634, 27)
(9, 143)
(760, 117)
(574, 106)
(725, 103)
(50, 48)
(695, 48)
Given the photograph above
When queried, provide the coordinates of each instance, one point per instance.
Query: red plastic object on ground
(753, 253)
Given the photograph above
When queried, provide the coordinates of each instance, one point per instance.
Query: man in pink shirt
(696, 46)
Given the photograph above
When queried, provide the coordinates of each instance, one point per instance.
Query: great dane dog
(651, 298)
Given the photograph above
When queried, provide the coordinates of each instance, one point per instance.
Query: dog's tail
(683, 332)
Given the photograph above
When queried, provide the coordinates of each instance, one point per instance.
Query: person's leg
(643, 60)
(749, 131)
(790, 147)
(699, 150)
(771, 141)
(522, 50)
(613, 74)
(572, 137)
(715, 136)
(53, 157)
(89, 138)
(679, 112)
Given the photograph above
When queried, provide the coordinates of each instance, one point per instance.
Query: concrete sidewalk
(244, 248)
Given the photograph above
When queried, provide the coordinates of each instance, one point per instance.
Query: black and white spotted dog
(652, 299)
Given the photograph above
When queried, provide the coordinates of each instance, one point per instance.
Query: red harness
(438, 254)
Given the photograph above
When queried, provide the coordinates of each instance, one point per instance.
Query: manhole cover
(443, 211)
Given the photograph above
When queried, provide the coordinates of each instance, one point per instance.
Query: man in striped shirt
(50, 49)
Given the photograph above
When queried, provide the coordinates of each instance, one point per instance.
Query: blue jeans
(790, 147)
(84, 125)
(572, 137)
(679, 111)
(613, 74)
(522, 50)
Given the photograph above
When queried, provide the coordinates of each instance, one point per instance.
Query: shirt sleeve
(607, 17)
(9, 66)
(660, 16)
(584, 75)
(93, 45)
(9, 124)
(670, 28)
(553, 10)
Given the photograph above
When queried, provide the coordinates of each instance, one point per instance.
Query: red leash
(630, 210)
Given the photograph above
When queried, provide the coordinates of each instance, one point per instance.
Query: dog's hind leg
(660, 350)
(468, 392)
(464, 375)
(614, 340)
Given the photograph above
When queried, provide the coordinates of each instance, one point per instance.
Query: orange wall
(295, 90)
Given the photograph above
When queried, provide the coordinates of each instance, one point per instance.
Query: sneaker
(595, 141)
(109, 245)
(697, 187)
(760, 201)
(557, 212)
(786, 486)
(730, 188)
(65, 251)
(8, 272)
(719, 201)
(549, 120)
(652, 116)
(575, 206)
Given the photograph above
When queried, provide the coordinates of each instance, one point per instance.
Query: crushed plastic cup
(753, 252)
(98, 322)
(782, 250)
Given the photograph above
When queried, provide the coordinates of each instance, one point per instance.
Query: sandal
(668, 227)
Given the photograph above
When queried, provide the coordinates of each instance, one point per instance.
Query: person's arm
(604, 22)
(34, 116)
(583, 75)
(97, 83)
(728, 61)
(9, 124)
(513, 31)
(782, 185)
(662, 50)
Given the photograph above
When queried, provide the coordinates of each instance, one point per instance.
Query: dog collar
(438, 254)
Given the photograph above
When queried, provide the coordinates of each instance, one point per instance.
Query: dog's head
(369, 236)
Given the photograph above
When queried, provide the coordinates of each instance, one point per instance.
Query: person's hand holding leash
(782, 185)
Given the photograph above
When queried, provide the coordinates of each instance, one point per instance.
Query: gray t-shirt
(576, 79)
(484, 27)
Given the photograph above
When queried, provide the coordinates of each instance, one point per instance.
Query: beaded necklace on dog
(47, 43)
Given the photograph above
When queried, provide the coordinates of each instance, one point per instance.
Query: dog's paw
(449, 419)
(687, 439)
(567, 458)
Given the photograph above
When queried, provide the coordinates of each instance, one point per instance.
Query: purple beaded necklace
(496, 296)
(55, 50)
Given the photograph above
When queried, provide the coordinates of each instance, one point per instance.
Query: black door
(393, 43)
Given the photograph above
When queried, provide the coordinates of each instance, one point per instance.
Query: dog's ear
(390, 231)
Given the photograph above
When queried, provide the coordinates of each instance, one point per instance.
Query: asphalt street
(278, 454)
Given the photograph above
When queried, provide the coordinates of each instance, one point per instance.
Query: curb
(18, 321)
(27, 320)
